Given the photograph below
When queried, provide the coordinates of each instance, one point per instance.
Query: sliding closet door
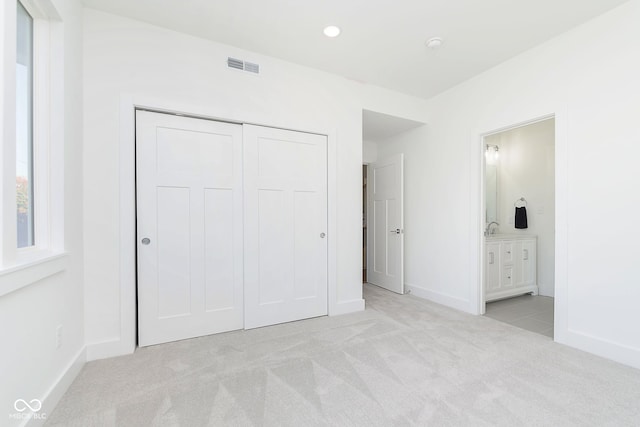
(285, 217)
(189, 206)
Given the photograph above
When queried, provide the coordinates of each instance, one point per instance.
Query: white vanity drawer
(506, 255)
(506, 279)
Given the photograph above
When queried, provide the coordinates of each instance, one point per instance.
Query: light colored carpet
(403, 361)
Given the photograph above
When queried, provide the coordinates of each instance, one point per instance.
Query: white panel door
(189, 227)
(285, 198)
(385, 224)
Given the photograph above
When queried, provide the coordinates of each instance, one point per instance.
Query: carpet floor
(402, 362)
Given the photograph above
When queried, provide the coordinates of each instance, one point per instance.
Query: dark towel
(521, 217)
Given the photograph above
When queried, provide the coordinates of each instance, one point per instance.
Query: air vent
(239, 64)
(251, 67)
(235, 63)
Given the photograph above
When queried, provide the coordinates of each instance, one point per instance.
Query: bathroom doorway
(519, 226)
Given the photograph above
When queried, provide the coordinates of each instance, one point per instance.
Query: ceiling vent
(235, 63)
(251, 67)
(239, 64)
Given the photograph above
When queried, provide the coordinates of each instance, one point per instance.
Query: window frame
(32, 123)
(21, 266)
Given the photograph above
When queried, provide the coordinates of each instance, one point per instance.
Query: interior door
(189, 225)
(285, 199)
(385, 224)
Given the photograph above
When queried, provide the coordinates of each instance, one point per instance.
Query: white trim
(126, 343)
(476, 251)
(19, 276)
(59, 388)
(332, 226)
(533, 289)
(439, 298)
(604, 348)
(109, 348)
(42, 224)
(345, 307)
(476, 247)
(48, 150)
(8, 232)
(127, 174)
(561, 276)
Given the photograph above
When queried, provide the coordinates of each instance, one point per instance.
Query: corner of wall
(59, 387)
(441, 298)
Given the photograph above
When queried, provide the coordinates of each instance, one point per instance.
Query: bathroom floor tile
(533, 313)
(531, 324)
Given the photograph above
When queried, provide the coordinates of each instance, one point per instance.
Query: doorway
(385, 223)
(364, 223)
(383, 198)
(519, 226)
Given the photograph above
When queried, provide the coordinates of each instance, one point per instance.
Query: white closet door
(189, 206)
(385, 254)
(285, 196)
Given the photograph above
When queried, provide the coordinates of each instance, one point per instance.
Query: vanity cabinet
(510, 266)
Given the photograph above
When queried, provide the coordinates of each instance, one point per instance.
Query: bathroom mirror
(491, 193)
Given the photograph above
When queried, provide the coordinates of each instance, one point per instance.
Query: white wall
(526, 169)
(369, 151)
(588, 79)
(124, 57)
(434, 225)
(30, 365)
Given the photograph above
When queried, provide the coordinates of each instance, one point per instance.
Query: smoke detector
(434, 43)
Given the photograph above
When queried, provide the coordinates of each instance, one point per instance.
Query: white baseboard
(108, 348)
(440, 298)
(58, 388)
(600, 347)
(344, 307)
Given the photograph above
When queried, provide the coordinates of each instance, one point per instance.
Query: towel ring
(521, 199)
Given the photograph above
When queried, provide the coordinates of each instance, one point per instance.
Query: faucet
(488, 231)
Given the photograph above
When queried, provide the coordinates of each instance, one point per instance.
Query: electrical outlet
(59, 336)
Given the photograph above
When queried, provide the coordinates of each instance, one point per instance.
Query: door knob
(146, 241)
(322, 235)
(396, 231)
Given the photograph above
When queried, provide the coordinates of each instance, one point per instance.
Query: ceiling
(377, 127)
(382, 42)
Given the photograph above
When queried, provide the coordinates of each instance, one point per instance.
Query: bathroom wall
(526, 169)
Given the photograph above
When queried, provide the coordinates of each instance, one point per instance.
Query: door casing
(125, 341)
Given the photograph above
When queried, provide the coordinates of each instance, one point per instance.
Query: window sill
(22, 275)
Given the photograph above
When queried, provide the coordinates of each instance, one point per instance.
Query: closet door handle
(491, 258)
(525, 254)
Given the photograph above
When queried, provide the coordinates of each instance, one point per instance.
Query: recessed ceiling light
(332, 31)
(434, 43)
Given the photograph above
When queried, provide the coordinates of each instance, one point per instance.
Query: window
(32, 152)
(24, 128)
